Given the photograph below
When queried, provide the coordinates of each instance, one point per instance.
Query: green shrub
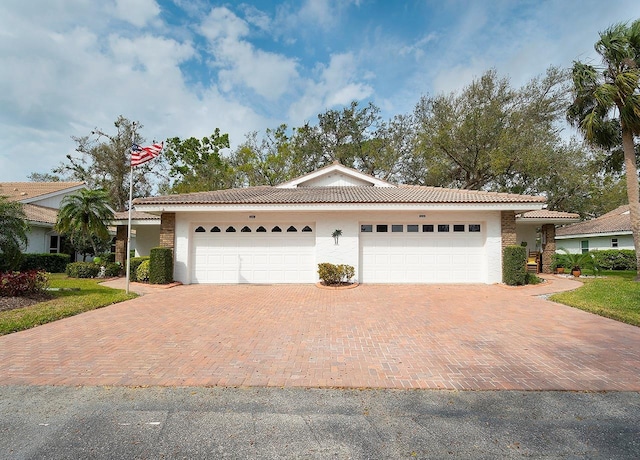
(133, 266)
(514, 265)
(161, 266)
(112, 270)
(82, 270)
(16, 284)
(335, 274)
(615, 259)
(532, 278)
(142, 272)
(51, 263)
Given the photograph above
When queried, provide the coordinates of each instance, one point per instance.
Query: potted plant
(558, 262)
(578, 261)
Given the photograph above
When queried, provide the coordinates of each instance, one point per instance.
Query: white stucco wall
(348, 249)
(38, 240)
(595, 243)
(528, 234)
(147, 237)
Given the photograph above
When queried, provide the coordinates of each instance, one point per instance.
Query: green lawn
(613, 295)
(90, 296)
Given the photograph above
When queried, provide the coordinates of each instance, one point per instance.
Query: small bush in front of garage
(514, 265)
(161, 266)
(142, 272)
(134, 263)
(331, 274)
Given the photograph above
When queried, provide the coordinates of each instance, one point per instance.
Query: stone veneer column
(508, 228)
(549, 248)
(121, 244)
(168, 230)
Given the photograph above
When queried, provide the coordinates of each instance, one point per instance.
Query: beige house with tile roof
(389, 233)
(609, 231)
(41, 201)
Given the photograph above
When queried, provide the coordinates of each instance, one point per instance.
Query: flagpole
(128, 248)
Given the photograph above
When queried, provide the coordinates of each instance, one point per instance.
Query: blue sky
(185, 67)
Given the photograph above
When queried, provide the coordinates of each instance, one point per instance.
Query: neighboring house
(389, 233)
(41, 201)
(609, 231)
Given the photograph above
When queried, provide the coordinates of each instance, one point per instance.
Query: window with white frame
(614, 242)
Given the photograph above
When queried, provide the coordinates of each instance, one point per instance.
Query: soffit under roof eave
(516, 207)
(136, 222)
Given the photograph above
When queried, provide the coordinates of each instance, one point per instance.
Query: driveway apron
(474, 337)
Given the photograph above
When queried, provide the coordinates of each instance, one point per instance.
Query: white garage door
(240, 253)
(422, 253)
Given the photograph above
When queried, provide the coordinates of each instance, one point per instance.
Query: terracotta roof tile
(611, 222)
(17, 191)
(323, 195)
(135, 215)
(40, 214)
(546, 214)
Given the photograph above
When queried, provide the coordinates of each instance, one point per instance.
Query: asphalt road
(127, 423)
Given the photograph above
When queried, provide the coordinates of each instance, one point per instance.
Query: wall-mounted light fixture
(422, 216)
(252, 217)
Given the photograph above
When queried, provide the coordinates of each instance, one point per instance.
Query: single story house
(609, 231)
(41, 201)
(389, 233)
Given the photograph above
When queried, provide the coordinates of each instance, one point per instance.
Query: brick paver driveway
(462, 337)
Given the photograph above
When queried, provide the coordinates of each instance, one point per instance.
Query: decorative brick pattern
(474, 337)
(508, 227)
(121, 244)
(548, 249)
(168, 230)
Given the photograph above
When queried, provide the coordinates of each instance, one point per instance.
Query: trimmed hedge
(133, 267)
(52, 263)
(335, 274)
(161, 266)
(514, 265)
(615, 259)
(83, 270)
(112, 270)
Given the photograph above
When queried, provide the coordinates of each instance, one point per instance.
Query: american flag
(141, 155)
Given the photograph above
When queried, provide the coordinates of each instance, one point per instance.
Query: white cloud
(240, 63)
(137, 12)
(337, 84)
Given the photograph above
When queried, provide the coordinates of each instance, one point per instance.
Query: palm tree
(13, 232)
(606, 105)
(84, 216)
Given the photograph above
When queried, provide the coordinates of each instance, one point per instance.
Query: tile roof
(325, 195)
(17, 191)
(546, 214)
(135, 215)
(611, 222)
(40, 214)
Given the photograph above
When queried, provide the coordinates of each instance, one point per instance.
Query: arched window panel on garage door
(307, 229)
(261, 229)
(230, 229)
(276, 229)
(245, 229)
(200, 229)
(292, 229)
(215, 229)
